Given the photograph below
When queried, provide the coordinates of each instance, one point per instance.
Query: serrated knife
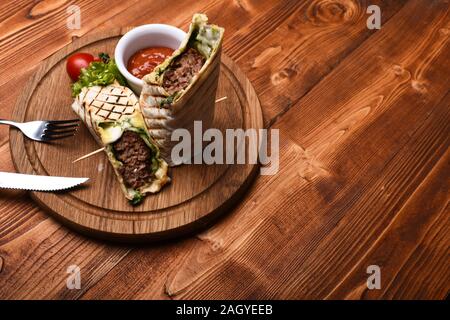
(37, 183)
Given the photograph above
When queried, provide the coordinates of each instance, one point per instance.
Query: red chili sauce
(145, 60)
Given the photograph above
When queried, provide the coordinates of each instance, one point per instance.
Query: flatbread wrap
(182, 89)
(112, 115)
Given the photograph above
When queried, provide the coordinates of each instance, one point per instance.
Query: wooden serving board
(197, 194)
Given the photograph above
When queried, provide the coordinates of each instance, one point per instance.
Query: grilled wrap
(182, 89)
(112, 115)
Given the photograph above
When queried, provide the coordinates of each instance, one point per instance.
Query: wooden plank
(31, 34)
(309, 224)
(292, 58)
(425, 275)
(402, 243)
(18, 212)
(51, 249)
(146, 269)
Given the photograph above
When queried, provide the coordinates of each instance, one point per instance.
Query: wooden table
(364, 161)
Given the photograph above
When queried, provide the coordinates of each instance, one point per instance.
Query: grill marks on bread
(110, 103)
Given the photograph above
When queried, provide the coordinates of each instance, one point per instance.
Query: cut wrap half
(113, 117)
(182, 89)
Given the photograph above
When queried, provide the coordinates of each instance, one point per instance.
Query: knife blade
(37, 183)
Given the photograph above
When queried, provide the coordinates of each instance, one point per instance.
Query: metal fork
(45, 130)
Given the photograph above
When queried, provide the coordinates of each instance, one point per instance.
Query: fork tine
(52, 137)
(62, 121)
(61, 126)
(51, 132)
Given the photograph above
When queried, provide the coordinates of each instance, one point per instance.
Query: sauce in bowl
(145, 60)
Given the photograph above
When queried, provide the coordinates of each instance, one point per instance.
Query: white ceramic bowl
(148, 35)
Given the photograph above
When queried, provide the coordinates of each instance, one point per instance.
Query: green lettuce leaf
(98, 73)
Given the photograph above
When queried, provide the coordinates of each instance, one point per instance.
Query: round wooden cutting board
(197, 194)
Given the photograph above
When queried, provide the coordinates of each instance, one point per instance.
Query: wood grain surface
(364, 158)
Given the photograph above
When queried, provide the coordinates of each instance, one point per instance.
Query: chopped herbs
(104, 57)
(167, 100)
(138, 197)
(99, 73)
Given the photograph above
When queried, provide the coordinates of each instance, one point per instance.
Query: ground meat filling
(135, 156)
(182, 70)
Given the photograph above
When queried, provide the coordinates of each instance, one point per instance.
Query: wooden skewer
(101, 149)
(88, 155)
(221, 99)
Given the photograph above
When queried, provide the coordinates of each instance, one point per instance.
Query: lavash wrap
(163, 113)
(106, 129)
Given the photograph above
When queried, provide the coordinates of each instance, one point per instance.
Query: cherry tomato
(76, 62)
